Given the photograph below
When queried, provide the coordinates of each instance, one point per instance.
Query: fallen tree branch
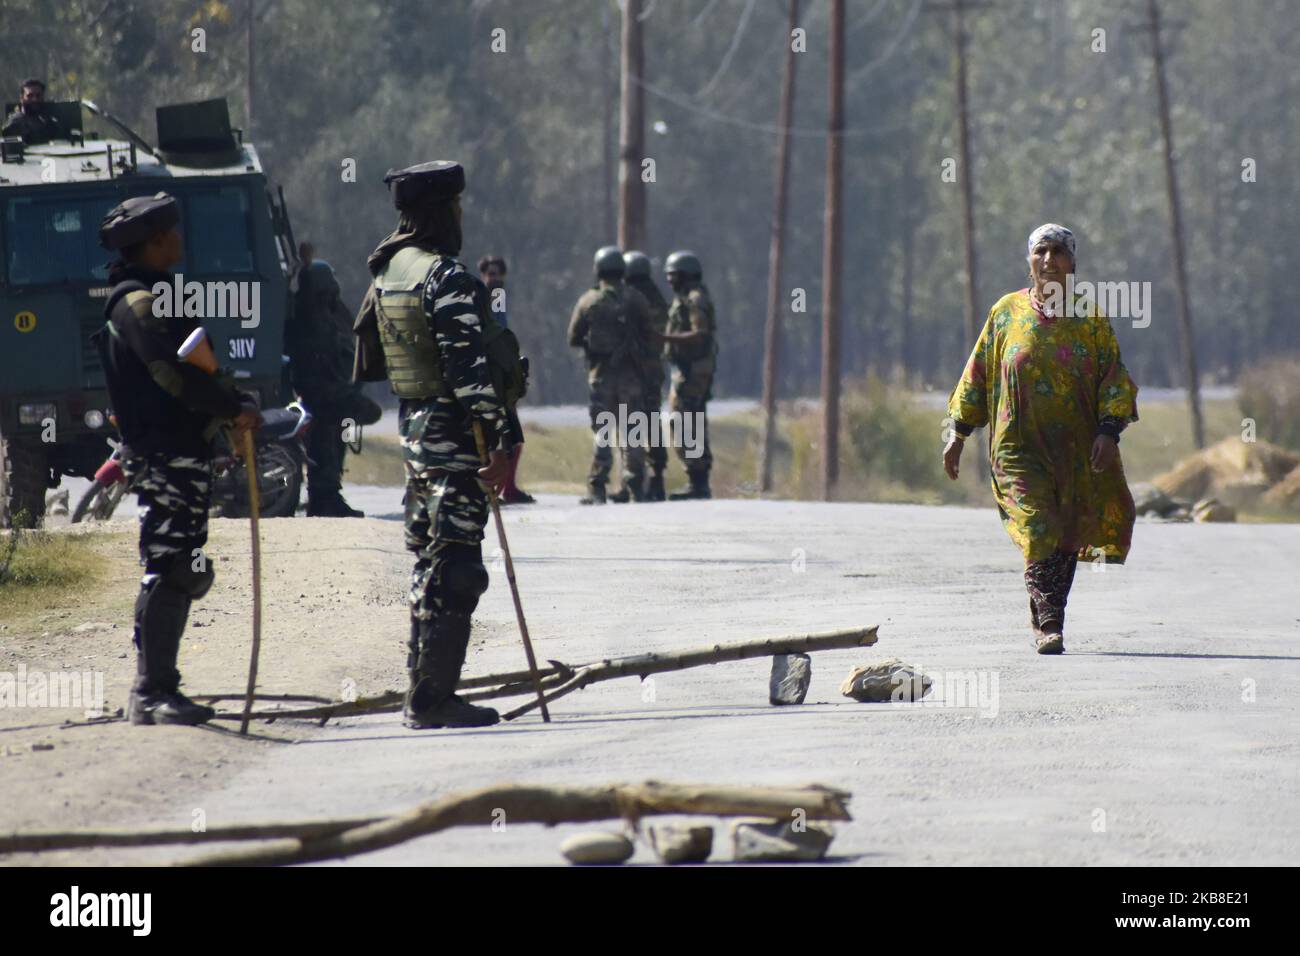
(561, 679)
(79, 839)
(643, 665)
(390, 702)
(545, 805)
(310, 698)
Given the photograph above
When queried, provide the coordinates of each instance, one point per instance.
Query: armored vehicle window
(54, 240)
(216, 226)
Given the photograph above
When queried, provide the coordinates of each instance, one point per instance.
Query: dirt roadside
(334, 578)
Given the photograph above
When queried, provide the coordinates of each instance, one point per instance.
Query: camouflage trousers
(691, 390)
(652, 402)
(174, 493)
(445, 516)
(607, 394)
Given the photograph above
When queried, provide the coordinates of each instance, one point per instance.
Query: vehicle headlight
(94, 418)
(37, 413)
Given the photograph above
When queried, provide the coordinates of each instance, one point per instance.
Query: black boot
(698, 488)
(431, 701)
(331, 505)
(160, 615)
(620, 497)
(595, 494)
(654, 488)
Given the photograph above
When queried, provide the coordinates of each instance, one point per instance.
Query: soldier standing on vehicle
(320, 346)
(492, 272)
(638, 275)
(692, 348)
(167, 413)
(424, 325)
(31, 118)
(611, 324)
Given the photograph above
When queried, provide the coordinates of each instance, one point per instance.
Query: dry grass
(40, 570)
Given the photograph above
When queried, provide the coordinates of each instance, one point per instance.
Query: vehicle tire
(279, 484)
(100, 501)
(24, 473)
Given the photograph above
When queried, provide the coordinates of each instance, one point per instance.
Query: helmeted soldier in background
(637, 274)
(492, 271)
(31, 118)
(425, 326)
(321, 347)
(167, 413)
(692, 348)
(611, 324)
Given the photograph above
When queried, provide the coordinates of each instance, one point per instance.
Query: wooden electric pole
(831, 260)
(1187, 337)
(631, 147)
(606, 122)
(971, 309)
(776, 258)
(248, 78)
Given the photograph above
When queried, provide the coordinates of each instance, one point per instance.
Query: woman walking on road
(1049, 383)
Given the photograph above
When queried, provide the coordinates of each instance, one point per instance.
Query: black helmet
(439, 180)
(687, 263)
(636, 265)
(138, 219)
(609, 261)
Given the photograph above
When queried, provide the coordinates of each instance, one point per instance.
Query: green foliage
(1270, 394)
(42, 568)
(1059, 132)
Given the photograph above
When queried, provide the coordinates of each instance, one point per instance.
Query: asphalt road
(1167, 734)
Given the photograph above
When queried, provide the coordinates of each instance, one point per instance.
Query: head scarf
(431, 225)
(1053, 233)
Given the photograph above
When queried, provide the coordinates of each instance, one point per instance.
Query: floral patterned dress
(1044, 384)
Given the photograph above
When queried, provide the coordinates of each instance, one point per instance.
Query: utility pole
(831, 260)
(248, 76)
(631, 207)
(776, 258)
(607, 121)
(1176, 232)
(967, 179)
(970, 301)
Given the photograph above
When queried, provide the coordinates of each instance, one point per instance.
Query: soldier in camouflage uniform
(637, 275)
(692, 348)
(611, 324)
(167, 411)
(422, 326)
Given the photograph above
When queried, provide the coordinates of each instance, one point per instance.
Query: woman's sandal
(1050, 643)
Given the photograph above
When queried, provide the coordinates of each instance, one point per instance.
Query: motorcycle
(280, 461)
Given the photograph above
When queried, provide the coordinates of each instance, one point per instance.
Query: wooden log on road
(549, 806)
(643, 665)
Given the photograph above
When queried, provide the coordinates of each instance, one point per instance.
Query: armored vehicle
(239, 255)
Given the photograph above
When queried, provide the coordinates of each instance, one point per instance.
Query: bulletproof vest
(410, 350)
(609, 331)
(679, 320)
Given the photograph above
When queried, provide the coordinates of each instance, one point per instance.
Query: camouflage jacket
(611, 324)
(692, 312)
(437, 433)
(652, 359)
